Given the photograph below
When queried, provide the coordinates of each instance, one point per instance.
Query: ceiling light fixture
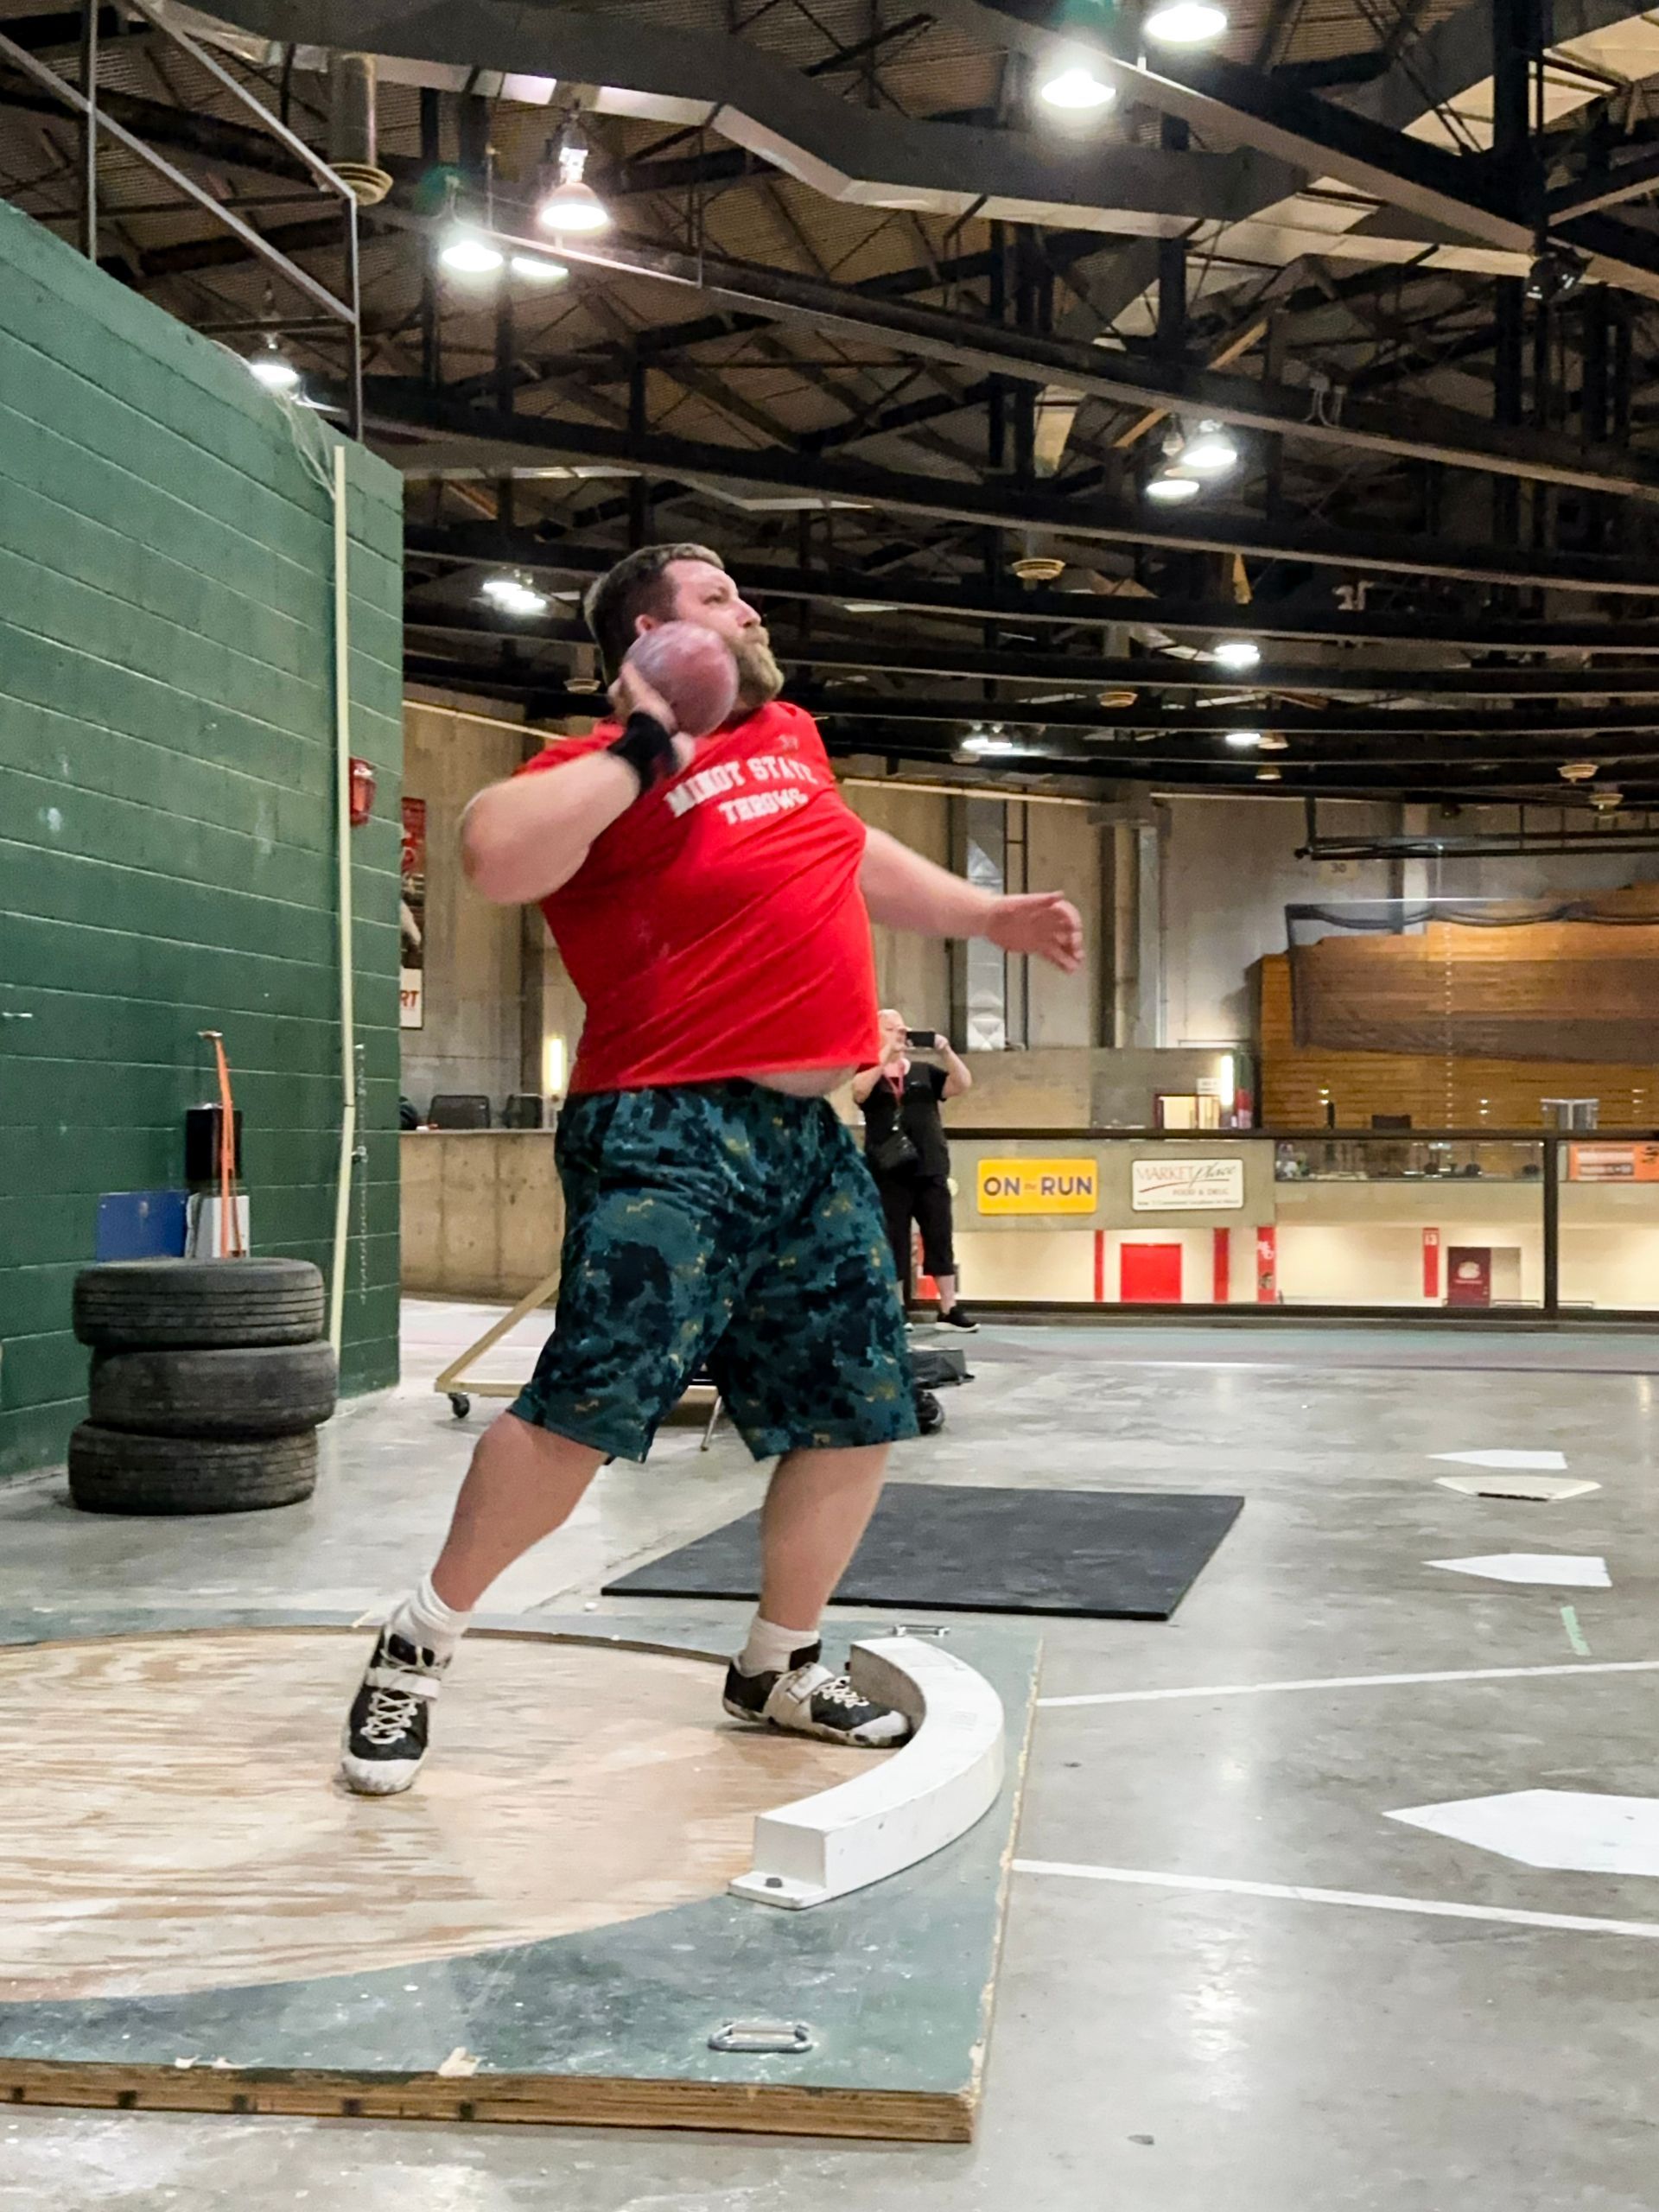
(470, 254)
(1170, 490)
(1209, 451)
(537, 269)
(513, 595)
(1557, 273)
(1244, 740)
(1074, 86)
(1269, 775)
(273, 368)
(572, 204)
(1237, 652)
(1185, 23)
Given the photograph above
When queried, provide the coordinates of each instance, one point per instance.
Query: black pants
(924, 1199)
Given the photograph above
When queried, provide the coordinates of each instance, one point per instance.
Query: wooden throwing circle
(170, 1819)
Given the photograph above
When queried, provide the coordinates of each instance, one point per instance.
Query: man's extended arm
(908, 893)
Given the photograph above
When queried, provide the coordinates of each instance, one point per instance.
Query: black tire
(261, 1390)
(185, 1305)
(112, 1471)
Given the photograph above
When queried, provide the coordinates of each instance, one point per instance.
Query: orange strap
(230, 1220)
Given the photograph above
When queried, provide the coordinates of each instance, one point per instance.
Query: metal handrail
(85, 105)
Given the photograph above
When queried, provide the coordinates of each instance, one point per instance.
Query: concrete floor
(1156, 2046)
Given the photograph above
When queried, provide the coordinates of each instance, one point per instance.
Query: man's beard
(758, 677)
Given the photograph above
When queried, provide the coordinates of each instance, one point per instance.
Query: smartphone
(923, 1039)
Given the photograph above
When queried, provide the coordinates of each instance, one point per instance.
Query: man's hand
(1041, 922)
(631, 694)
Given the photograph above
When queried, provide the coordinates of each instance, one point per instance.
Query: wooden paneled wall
(1436, 1091)
(1579, 990)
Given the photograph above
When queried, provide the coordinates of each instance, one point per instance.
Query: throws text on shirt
(767, 769)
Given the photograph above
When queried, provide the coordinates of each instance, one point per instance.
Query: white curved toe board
(911, 1805)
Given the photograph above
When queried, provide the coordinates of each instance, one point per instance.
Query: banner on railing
(1612, 1163)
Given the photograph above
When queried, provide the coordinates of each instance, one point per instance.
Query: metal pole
(431, 155)
(354, 294)
(1552, 1228)
(639, 487)
(89, 129)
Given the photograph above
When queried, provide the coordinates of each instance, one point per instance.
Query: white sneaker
(809, 1700)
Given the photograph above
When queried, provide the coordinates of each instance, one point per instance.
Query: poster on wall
(411, 918)
(1038, 1185)
(1183, 1186)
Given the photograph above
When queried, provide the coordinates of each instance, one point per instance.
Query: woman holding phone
(904, 1147)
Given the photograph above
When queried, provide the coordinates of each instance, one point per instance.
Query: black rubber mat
(1123, 1554)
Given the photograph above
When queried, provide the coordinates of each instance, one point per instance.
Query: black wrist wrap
(647, 748)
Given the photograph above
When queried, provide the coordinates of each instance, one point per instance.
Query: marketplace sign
(1038, 1185)
(1186, 1185)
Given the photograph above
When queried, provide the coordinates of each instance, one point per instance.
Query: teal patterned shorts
(721, 1225)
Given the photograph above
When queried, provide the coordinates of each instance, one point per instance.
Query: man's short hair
(637, 585)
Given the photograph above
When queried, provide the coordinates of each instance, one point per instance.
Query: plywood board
(543, 1902)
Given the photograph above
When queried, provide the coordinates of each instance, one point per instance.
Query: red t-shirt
(716, 929)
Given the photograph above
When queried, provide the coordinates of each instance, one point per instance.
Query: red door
(1469, 1275)
(1151, 1274)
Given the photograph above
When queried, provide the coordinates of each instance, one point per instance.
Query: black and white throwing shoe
(387, 1727)
(960, 1318)
(807, 1698)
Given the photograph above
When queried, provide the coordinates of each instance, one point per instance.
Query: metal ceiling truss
(969, 597)
(1014, 334)
(427, 434)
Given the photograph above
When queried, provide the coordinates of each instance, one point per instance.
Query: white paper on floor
(1540, 1461)
(1573, 1830)
(1564, 1569)
(1548, 1488)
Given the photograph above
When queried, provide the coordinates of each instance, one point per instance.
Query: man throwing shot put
(712, 901)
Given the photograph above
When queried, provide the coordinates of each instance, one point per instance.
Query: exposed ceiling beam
(884, 649)
(1424, 432)
(424, 435)
(968, 597)
(1229, 101)
(863, 156)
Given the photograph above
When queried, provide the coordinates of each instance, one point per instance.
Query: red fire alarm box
(362, 790)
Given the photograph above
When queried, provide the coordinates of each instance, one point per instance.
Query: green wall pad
(539, 1931)
(168, 858)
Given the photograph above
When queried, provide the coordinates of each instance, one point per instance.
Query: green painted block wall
(166, 820)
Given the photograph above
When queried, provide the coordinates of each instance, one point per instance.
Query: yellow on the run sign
(1038, 1185)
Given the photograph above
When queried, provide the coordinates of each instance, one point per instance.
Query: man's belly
(804, 1083)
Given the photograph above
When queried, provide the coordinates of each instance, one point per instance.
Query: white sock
(770, 1649)
(423, 1618)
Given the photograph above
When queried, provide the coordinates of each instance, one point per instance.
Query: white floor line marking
(1297, 1893)
(1356, 1682)
(1538, 1461)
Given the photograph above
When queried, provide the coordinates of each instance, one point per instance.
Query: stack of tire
(209, 1380)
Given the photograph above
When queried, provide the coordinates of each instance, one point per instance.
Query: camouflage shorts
(721, 1225)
